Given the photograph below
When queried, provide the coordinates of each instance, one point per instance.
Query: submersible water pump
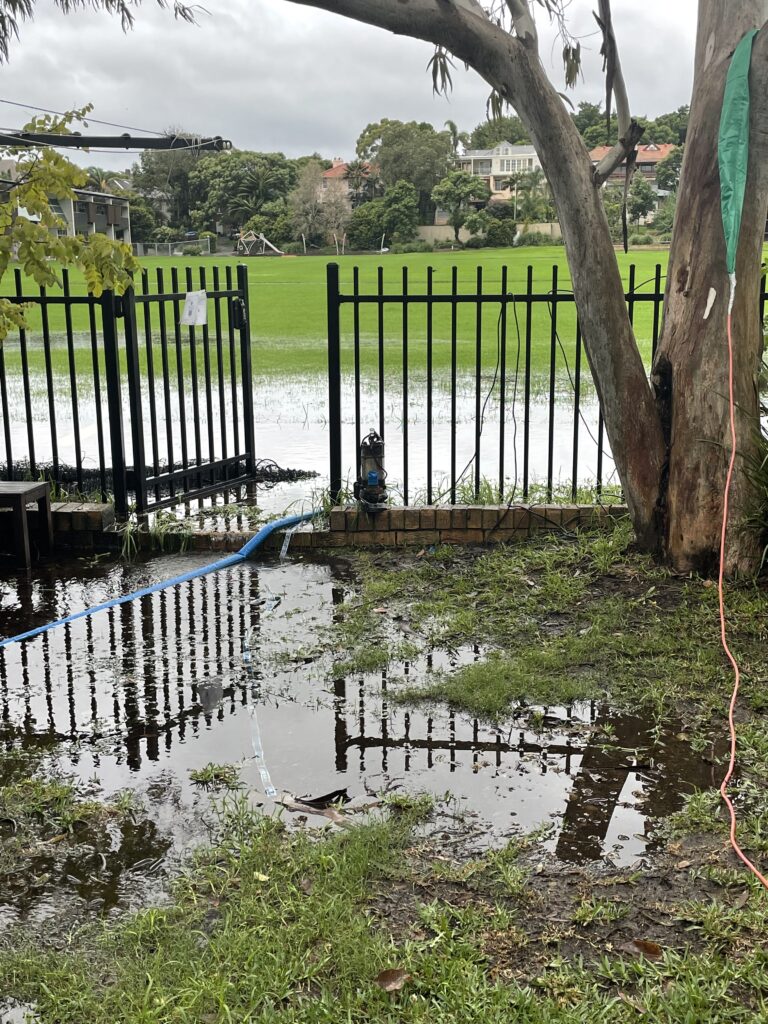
(371, 488)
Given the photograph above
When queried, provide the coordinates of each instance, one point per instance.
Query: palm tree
(260, 185)
(101, 180)
(457, 138)
(363, 181)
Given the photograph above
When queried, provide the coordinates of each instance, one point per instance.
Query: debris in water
(338, 796)
(286, 542)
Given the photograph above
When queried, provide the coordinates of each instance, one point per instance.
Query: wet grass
(270, 925)
(57, 834)
(564, 619)
(555, 620)
(288, 315)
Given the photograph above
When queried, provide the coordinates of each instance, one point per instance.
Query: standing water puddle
(213, 671)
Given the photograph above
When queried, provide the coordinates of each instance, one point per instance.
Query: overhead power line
(94, 120)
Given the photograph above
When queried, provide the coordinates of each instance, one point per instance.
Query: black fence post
(114, 403)
(244, 323)
(334, 379)
(135, 400)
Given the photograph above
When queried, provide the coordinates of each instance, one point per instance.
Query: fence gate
(114, 396)
(190, 401)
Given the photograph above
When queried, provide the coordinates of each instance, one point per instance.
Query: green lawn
(288, 303)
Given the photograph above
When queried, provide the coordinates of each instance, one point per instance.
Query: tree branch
(522, 19)
(618, 154)
(614, 76)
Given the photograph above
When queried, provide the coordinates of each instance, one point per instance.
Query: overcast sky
(269, 75)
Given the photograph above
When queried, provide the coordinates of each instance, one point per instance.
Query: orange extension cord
(737, 674)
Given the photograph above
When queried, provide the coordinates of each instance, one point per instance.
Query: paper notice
(195, 312)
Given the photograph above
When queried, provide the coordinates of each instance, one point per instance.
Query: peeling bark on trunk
(690, 372)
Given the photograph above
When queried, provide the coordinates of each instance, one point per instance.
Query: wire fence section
(478, 383)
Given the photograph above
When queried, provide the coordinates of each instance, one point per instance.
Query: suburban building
(495, 166)
(89, 213)
(648, 157)
(335, 180)
(336, 174)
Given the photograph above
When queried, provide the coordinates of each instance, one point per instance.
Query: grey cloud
(270, 75)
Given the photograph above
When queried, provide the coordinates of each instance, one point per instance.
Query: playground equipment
(247, 241)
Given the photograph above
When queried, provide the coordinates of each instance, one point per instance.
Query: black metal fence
(477, 390)
(153, 413)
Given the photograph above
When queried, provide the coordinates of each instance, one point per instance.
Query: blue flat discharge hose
(223, 563)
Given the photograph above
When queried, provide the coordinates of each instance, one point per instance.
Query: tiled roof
(651, 153)
(340, 171)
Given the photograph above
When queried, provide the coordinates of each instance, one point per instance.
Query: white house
(88, 213)
(495, 165)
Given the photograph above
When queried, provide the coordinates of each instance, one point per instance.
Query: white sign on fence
(195, 312)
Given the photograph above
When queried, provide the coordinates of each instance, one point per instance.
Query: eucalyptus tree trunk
(690, 371)
(668, 438)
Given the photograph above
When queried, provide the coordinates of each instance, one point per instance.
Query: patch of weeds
(37, 804)
(216, 776)
(594, 909)
(491, 688)
(168, 532)
(415, 806)
(128, 531)
(700, 813)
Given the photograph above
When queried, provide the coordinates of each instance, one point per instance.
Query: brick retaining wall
(91, 527)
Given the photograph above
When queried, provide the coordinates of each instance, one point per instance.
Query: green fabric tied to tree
(733, 145)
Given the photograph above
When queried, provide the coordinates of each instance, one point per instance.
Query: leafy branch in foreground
(30, 229)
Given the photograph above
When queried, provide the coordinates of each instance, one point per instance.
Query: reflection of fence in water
(162, 669)
(141, 671)
(452, 733)
(664, 768)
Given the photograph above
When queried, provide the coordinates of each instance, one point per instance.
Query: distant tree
(533, 202)
(100, 180)
(641, 199)
(143, 218)
(664, 217)
(366, 225)
(305, 203)
(162, 177)
(412, 152)
(590, 121)
(668, 170)
(457, 138)
(598, 135)
(232, 186)
(676, 123)
(301, 161)
(273, 221)
(500, 129)
(363, 181)
(455, 193)
(336, 211)
(476, 222)
(588, 115)
(613, 201)
(401, 211)
(260, 184)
